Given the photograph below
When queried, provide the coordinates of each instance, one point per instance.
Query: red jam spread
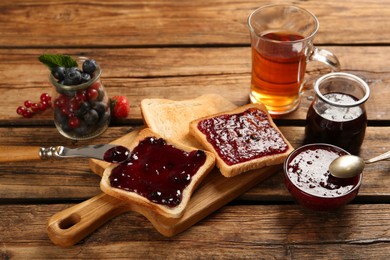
(157, 171)
(309, 171)
(242, 137)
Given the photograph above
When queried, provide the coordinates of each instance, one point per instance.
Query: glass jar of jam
(81, 111)
(337, 114)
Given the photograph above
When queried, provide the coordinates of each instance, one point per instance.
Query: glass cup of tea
(282, 44)
(337, 114)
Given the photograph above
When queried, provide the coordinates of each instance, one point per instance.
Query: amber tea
(278, 71)
(282, 43)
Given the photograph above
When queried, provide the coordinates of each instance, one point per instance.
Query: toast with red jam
(171, 118)
(159, 176)
(243, 139)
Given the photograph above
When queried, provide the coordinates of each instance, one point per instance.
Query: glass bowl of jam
(307, 178)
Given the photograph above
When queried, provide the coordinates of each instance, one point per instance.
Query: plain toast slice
(171, 118)
(243, 139)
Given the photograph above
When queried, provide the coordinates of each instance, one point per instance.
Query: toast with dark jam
(243, 139)
(160, 174)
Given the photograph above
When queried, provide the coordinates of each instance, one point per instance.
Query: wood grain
(135, 23)
(179, 73)
(181, 49)
(239, 231)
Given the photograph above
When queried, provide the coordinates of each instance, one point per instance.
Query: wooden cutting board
(68, 227)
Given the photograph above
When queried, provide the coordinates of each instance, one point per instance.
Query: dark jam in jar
(308, 178)
(157, 171)
(242, 137)
(341, 126)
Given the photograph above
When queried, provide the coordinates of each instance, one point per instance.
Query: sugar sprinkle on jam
(242, 137)
(158, 171)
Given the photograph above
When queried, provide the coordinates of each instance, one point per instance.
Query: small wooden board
(68, 227)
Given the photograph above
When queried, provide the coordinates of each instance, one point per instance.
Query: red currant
(61, 101)
(27, 103)
(45, 97)
(73, 122)
(65, 111)
(81, 95)
(43, 105)
(74, 105)
(34, 107)
(92, 94)
(20, 110)
(27, 113)
(30, 108)
(96, 85)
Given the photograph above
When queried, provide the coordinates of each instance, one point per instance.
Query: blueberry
(72, 76)
(62, 120)
(83, 129)
(91, 117)
(100, 107)
(58, 73)
(89, 66)
(85, 77)
(83, 109)
(103, 119)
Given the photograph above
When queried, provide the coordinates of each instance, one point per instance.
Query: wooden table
(179, 50)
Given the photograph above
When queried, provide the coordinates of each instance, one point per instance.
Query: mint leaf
(57, 60)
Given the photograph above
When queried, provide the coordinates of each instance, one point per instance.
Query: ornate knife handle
(52, 152)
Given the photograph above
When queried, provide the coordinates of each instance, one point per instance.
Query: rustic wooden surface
(178, 50)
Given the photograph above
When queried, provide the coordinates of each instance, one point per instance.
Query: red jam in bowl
(309, 181)
(158, 171)
(242, 137)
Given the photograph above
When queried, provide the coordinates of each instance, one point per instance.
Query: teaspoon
(348, 166)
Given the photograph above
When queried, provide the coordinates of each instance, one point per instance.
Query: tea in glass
(282, 44)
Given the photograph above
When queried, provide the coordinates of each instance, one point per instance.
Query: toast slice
(160, 176)
(243, 139)
(171, 118)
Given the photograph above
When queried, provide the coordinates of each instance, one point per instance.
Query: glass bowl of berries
(80, 102)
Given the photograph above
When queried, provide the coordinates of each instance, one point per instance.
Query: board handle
(19, 153)
(68, 227)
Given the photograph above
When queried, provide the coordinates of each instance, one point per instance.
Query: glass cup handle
(326, 57)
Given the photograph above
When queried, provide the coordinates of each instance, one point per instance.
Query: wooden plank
(119, 23)
(199, 250)
(237, 231)
(173, 73)
(73, 179)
